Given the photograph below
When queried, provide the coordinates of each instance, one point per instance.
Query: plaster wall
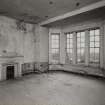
(44, 44)
(14, 40)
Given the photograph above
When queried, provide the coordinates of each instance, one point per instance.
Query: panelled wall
(79, 58)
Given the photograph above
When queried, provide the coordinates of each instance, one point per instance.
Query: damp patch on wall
(21, 26)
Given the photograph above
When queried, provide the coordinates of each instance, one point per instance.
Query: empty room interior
(52, 52)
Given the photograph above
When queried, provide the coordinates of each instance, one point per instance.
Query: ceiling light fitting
(50, 2)
(77, 4)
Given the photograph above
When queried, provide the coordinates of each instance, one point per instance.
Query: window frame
(81, 42)
(58, 34)
(69, 48)
(96, 64)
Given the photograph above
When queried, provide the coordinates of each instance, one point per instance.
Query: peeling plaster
(13, 40)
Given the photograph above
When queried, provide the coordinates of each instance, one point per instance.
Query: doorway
(10, 72)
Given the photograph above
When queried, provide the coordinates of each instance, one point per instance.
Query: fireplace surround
(10, 66)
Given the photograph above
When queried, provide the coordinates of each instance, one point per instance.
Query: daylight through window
(81, 47)
(69, 48)
(55, 47)
(94, 45)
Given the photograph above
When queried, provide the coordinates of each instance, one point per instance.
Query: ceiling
(34, 11)
(80, 18)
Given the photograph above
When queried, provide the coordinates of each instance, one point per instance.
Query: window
(55, 40)
(94, 46)
(69, 48)
(81, 47)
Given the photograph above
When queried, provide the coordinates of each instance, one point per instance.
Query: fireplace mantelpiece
(6, 60)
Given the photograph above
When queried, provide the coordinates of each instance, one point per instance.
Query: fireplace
(10, 66)
(10, 72)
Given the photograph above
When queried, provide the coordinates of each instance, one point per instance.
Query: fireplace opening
(10, 72)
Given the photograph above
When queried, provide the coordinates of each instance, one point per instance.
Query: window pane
(53, 41)
(71, 51)
(57, 51)
(78, 40)
(96, 59)
(92, 59)
(97, 44)
(53, 45)
(78, 59)
(78, 45)
(82, 39)
(71, 58)
(55, 48)
(71, 46)
(97, 32)
(92, 38)
(68, 40)
(57, 37)
(92, 55)
(82, 51)
(71, 35)
(78, 34)
(68, 45)
(91, 50)
(83, 35)
(96, 54)
(82, 45)
(92, 32)
(68, 50)
(57, 42)
(53, 37)
(92, 44)
(78, 51)
(96, 51)
(71, 40)
(96, 38)
(68, 35)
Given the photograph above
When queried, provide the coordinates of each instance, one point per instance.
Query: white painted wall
(44, 44)
(13, 40)
(41, 39)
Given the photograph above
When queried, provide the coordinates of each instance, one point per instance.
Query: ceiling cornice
(75, 12)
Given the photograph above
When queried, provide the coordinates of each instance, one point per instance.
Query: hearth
(10, 72)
